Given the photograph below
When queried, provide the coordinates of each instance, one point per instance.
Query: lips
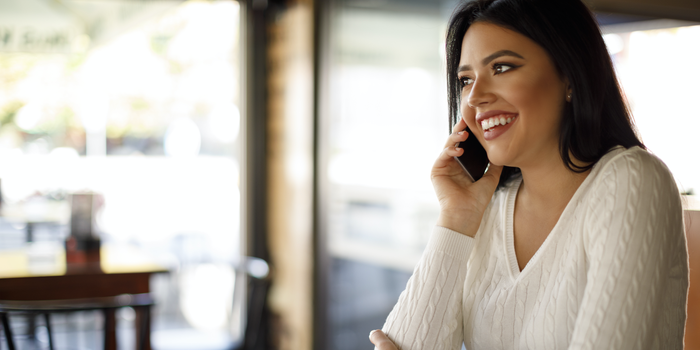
(495, 123)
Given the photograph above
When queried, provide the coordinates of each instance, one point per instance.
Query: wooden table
(27, 275)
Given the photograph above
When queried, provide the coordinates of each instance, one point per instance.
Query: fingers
(451, 150)
(459, 134)
(447, 155)
(381, 341)
(461, 125)
(456, 137)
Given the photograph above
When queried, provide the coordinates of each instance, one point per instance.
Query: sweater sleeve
(637, 279)
(428, 313)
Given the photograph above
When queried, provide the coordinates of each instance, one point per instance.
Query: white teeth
(495, 121)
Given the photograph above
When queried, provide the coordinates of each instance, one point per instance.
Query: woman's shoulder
(633, 191)
(631, 166)
(631, 177)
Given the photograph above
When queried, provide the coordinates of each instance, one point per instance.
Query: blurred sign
(28, 38)
(67, 26)
(38, 26)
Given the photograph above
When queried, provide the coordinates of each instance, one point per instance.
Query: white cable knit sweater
(612, 274)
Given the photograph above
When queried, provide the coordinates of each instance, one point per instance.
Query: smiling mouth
(496, 121)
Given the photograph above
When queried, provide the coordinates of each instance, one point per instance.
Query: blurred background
(298, 132)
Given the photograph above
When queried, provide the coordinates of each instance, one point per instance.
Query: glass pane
(386, 122)
(662, 91)
(137, 102)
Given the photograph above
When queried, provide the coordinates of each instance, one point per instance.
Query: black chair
(107, 305)
(257, 327)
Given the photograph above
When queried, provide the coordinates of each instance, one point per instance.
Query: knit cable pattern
(612, 274)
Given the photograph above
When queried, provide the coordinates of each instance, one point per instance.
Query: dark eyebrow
(490, 58)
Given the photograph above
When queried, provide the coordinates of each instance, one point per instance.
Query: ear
(568, 91)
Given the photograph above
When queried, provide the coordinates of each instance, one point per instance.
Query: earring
(568, 97)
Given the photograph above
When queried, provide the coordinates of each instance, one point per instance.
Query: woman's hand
(381, 341)
(462, 202)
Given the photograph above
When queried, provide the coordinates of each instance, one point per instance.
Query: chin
(498, 158)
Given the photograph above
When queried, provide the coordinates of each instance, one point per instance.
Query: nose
(480, 94)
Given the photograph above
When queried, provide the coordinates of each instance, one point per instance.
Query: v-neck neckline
(509, 237)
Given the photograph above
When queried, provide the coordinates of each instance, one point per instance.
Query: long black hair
(597, 118)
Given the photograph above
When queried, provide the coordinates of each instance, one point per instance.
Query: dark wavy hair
(597, 118)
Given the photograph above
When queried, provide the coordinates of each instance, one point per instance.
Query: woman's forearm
(429, 309)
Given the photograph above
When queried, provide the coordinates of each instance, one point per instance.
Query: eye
(499, 68)
(465, 81)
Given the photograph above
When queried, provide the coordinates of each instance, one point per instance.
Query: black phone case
(474, 160)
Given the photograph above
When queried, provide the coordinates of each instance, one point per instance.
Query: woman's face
(507, 78)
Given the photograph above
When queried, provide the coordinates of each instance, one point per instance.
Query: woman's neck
(550, 183)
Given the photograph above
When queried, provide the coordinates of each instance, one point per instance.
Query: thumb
(381, 341)
(493, 175)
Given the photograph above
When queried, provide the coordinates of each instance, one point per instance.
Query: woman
(574, 237)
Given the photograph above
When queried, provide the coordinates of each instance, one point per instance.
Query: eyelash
(501, 65)
(494, 67)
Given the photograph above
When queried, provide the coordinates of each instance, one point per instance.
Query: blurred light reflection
(182, 138)
(207, 292)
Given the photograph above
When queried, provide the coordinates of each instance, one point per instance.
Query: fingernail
(461, 132)
(457, 148)
(372, 332)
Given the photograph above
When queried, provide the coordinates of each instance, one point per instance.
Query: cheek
(539, 100)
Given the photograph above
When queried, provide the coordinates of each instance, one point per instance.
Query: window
(139, 102)
(649, 58)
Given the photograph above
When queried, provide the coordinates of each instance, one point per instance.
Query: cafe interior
(209, 175)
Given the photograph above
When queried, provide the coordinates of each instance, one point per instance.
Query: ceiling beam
(688, 10)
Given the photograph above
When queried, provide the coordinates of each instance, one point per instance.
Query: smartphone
(474, 159)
